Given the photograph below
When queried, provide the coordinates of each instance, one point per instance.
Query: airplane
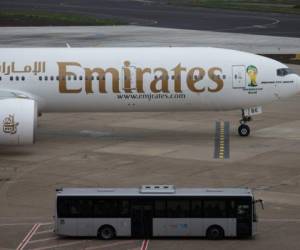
(39, 80)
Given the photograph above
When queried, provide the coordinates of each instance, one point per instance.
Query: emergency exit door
(238, 76)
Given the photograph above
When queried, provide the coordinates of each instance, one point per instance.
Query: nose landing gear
(244, 129)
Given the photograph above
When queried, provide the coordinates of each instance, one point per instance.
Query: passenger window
(40, 78)
(160, 208)
(99, 208)
(17, 78)
(86, 208)
(231, 209)
(196, 208)
(73, 208)
(214, 209)
(178, 208)
(11, 78)
(106, 208)
(51, 78)
(46, 78)
(23, 78)
(124, 208)
(80, 78)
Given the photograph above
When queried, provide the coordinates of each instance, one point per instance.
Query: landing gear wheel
(244, 130)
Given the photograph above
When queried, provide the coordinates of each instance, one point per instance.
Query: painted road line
(44, 232)
(217, 140)
(15, 224)
(227, 140)
(59, 245)
(145, 244)
(119, 243)
(280, 220)
(222, 134)
(41, 240)
(46, 223)
(27, 238)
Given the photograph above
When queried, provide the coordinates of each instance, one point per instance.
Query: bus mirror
(261, 203)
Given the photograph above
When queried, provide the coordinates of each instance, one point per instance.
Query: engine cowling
(18, 121)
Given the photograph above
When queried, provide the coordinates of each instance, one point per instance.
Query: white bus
(155, 211)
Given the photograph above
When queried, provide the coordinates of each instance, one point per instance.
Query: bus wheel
(215, 233)
(106, 232)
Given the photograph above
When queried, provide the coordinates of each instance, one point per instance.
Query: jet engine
(18, 121)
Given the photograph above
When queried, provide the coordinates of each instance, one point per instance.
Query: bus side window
(106, 208)
(178, 208)
(160, 208)
(73, 208)
(196, 208)
(214, 209)
(63, 207)
(99, 208)
(86, 208)
(231, 211)
(124, 208)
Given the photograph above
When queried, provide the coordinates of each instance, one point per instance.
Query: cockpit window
(284, 72)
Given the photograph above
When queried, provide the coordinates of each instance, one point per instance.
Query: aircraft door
(238, 76)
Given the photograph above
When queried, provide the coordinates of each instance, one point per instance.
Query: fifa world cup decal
(9, 125)
(252, 73)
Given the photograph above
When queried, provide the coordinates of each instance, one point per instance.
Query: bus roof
(107, 192)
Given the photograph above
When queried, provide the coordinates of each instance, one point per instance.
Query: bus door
(141, 219)
(244, 218)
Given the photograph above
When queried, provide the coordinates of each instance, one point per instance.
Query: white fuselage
(142, 79)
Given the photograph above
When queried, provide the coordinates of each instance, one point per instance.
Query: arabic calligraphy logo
(252, 73)
(9, 125)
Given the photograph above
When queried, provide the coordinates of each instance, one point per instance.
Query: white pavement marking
(280, 220)
(120, 243)
(41, 240)
(58, 245)
(24, 223)
(15, 224)
(145, 244)
(46, 223)
(44, 232)
(27, 238)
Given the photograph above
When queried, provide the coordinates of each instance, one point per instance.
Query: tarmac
(141, 36)
(132, 149)
(160, 13)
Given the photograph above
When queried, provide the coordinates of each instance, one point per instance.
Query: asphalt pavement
(159, 14)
